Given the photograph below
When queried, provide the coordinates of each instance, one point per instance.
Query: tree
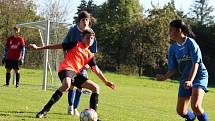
(201, 12)
(113, 18)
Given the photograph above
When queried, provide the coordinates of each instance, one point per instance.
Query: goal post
(44, 27)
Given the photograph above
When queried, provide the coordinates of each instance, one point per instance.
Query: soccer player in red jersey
(78, 55)
(14, 54)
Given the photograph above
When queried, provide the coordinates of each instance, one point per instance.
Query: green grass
(135, 99)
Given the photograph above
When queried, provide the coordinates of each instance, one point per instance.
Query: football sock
(190, 116)
(55, 97)
(17, 78)
(203, 117)
(77, 98)
(70, 96)
(7, 78)
(94, 101)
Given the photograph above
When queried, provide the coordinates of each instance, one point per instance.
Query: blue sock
(77, 98)
(203, 117)
(190, 116)
(70, 97)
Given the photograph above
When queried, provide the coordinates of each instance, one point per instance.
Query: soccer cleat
(6, 85)
(17, 85)
(76, 113)
(41, 114)
(70, 110)
(99, 120)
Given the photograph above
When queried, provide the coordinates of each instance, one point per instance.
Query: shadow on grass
(21, 114)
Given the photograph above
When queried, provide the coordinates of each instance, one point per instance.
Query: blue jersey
(74, 34)
(182, 57)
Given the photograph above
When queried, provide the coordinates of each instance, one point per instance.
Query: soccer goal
(49, 32)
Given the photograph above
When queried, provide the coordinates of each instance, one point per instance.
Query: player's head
(88, 37)
(179, 28)
(86, 19)
(16, 31)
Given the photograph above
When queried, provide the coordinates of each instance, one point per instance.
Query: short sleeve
(69, 45)
(195, 52)
(92, 62)
(172, 61)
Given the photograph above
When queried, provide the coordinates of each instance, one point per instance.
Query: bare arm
(163, 77)
(56, 46)
(101, 76)
(189, 82)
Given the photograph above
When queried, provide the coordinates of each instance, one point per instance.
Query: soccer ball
(88, 115)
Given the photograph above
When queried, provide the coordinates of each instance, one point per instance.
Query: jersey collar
(183, 42)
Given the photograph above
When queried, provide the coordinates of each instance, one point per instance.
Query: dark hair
(186, 29)
(88, 32)
(16, 28)
(85, 14)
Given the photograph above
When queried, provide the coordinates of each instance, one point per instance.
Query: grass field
(135, 99)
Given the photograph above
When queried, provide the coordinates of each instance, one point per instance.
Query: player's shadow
(23, 114)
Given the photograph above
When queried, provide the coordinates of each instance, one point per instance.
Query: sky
(183, 5)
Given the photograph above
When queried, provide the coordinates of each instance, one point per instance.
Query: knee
(65, 87)
(96, 89)
(16, 71)
(196, 107)
(181, 112)
(8, 70)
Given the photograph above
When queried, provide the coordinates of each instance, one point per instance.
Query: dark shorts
(12, 64)
(78, 79)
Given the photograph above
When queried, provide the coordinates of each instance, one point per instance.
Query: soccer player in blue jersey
(185, 57)
(74, 34)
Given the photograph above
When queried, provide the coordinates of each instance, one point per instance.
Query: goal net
(50, 33)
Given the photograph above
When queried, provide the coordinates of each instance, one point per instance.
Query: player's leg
(65, 77)
(70, 100)
(95, 93)
(8, 68)
(184, 97)
(78, 94)
(16, 69)
(196, 104)
(75, 100)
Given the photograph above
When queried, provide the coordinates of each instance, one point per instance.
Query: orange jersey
(76, 59)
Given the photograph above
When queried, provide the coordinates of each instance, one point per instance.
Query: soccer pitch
(135, 99)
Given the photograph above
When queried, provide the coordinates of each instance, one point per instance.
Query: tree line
(131, 40)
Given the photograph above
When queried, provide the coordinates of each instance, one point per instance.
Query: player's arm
(55, 46)
(23, 51)
(5, 51)
(98, 72)
(196, 59)
(172, 66)
(163, 77)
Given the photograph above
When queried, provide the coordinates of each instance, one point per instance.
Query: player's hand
(160, 77)
(33, 46)
(21, 62)
(188, 84)
(110, 84)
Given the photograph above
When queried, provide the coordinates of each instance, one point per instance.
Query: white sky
(183, 5)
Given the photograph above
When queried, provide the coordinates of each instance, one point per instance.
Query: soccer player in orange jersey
(77, 57)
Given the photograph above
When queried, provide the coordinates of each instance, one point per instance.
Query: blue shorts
(183, 92)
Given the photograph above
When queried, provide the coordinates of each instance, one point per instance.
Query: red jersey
(76, 58)
(14, 48)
